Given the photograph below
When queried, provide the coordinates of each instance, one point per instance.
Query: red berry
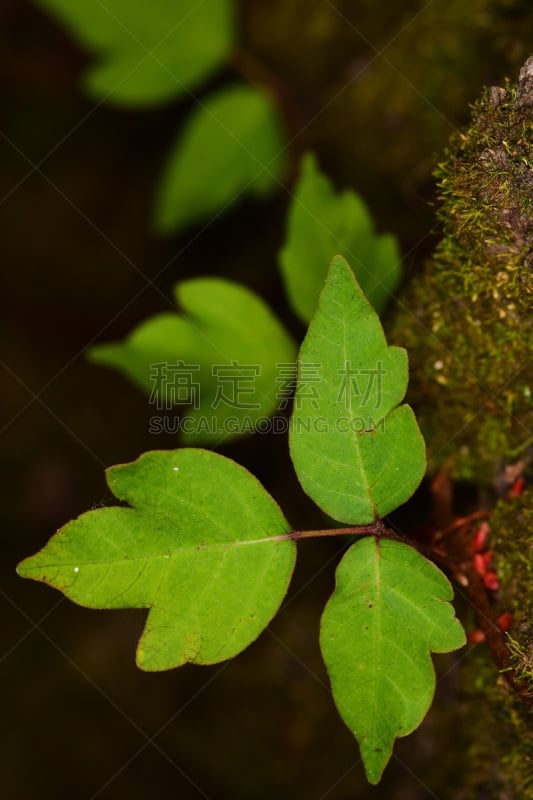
(505, 621)
(480, 564)
(480, 537)
(518, 487)
(490, 579)
(476, 636)
(487, 558)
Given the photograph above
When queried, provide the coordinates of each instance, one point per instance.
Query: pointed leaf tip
(389, 611)
(148, 53)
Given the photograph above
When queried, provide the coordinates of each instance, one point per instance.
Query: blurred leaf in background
(220, 356)
(232, 144)
(148, 53)
(322, 223)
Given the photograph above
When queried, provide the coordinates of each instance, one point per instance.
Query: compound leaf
(220, 357)
(149, 53)
(356, 454)
(232, 144)
(388, 612)
(198, 546)
(321, 223)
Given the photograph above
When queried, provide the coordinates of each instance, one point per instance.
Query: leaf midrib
(353, 439)
(168, 554)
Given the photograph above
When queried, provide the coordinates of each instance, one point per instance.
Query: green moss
(512, 524)
(498, 759)
(466, 322)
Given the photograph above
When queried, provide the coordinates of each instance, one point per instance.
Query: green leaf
(198, 546)
(322, 223)
(232, 144)
(388, 612)
(149, 53)
(356, 455)
(220, 355)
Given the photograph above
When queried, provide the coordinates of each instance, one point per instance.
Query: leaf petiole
(376, 529)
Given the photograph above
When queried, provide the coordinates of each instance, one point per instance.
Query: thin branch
(461, 522)
(258, 74)
(358, 530)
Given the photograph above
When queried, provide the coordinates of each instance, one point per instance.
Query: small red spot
(476, 636)
(505, 621)
(490, 579)
(518, 487)
(482, 562)
(479, 564)
(480, 537)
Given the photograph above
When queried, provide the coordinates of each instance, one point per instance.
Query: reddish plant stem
(461, 522)
(376, 528)
(258, 74)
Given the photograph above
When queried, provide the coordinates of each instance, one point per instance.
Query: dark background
(377, 89)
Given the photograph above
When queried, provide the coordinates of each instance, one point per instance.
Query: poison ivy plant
(207, 359)
(321, 222)
(206, 549)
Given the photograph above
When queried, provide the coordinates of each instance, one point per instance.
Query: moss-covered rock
(467, 320)
(512, 541)
(467, 324)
